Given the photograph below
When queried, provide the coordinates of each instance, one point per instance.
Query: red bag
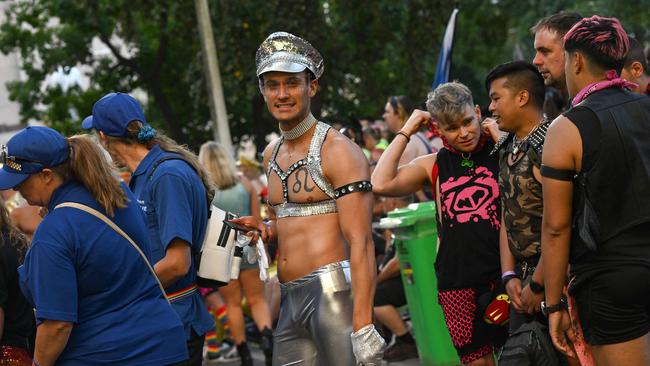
(498, 310)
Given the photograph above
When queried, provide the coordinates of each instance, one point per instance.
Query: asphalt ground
(258, 358)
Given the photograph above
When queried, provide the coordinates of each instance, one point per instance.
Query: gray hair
(448, 101)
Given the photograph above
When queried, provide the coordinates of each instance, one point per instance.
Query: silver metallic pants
(316, 319)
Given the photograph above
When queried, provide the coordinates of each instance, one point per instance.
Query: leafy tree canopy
(371, 50)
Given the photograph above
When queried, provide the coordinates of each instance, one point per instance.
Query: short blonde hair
(448, 102)
(219, 164)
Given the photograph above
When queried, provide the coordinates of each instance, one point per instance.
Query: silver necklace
(516, 144)
(300, 129)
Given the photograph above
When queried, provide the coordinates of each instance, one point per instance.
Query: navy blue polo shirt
(80, 270)
(174, 201)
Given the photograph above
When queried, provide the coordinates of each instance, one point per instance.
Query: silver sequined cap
(282, 51)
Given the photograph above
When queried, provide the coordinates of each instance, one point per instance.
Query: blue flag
(444, 60)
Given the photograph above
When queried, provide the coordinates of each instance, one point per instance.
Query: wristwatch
(535, 287)
(548, 310)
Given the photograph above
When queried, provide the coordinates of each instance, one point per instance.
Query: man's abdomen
(307, 243)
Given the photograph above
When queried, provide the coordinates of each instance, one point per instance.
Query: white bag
(216, 263)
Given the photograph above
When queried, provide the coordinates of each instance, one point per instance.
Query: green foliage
(147, 48)
(372, 49)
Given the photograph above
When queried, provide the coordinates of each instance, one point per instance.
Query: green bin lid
(408, 216)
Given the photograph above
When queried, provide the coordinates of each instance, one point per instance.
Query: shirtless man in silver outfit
(319, 188)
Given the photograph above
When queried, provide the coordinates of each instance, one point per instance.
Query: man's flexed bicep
(397, 174)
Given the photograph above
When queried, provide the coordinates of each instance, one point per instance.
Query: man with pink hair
(597, 201)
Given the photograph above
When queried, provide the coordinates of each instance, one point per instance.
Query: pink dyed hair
(603, 38)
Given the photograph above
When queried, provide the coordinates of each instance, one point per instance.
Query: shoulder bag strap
(117, 229)
(157, 163)
(162, 160)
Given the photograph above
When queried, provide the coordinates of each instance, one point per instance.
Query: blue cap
(87, 123)
(30, 151)
(113, 113)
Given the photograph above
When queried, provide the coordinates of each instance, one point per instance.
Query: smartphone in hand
(238, 227)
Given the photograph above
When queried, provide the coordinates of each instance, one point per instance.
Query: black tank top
(468, 256)
(604, 161)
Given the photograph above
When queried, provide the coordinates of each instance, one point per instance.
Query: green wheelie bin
(415, 232)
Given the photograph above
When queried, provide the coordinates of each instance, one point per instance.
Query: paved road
(258, 357)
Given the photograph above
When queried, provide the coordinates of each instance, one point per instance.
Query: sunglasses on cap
(13, 162)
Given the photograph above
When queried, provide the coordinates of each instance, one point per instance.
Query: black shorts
(390, 292)
(614, 306)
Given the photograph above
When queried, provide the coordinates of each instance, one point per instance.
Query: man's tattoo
(298, 185)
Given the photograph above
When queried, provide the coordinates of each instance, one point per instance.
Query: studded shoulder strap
(314, 160)
(503, 141)
(536, 140)
(274, 154)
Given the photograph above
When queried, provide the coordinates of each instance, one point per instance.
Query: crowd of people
(546, 201)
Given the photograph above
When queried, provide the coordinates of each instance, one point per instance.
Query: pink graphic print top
(471, 197)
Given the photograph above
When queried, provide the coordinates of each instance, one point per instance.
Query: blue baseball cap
(87, 123)
(28, 152)
(113, 113)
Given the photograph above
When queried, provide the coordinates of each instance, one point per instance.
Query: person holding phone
(320, 191)
(174, 193)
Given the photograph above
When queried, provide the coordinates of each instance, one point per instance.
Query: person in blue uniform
(96, 301)
(173, 191)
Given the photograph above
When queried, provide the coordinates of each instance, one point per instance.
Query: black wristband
(408, 139)
(535, 287)
(507, 278)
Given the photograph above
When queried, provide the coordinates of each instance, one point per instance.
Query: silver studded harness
(312, 162)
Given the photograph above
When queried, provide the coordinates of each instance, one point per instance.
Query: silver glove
(368, 346)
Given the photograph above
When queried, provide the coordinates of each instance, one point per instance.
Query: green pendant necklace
(466, 160)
